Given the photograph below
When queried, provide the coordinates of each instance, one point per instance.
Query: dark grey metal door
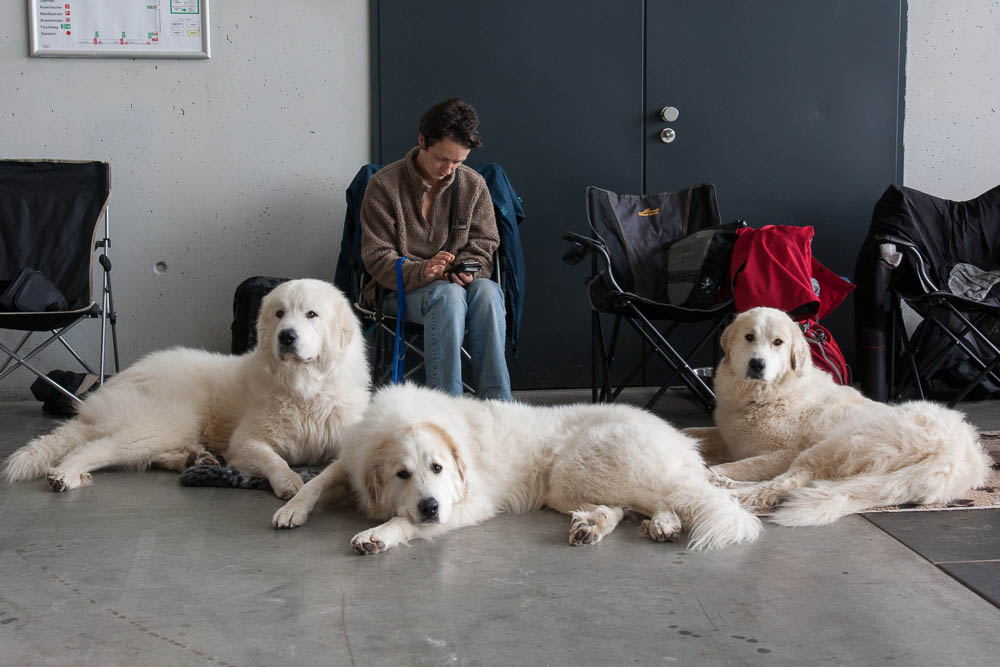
(558, 86)
(791, 107)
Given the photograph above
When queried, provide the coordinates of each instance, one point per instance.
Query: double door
(792, 108)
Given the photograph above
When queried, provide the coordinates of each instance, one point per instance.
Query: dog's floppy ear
(342, 328)
(374, 478)
(374, 482)
(265, 326)
(453, 448)
(800, 354)
(459, 465)
(727, 340)
(345, 330)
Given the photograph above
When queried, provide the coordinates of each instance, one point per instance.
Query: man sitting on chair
(447, 255)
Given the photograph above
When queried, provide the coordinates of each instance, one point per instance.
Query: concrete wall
(221, 168)
(951, 133)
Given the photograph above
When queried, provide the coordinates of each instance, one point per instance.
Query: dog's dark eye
(403, 474)
(749, 337)
(778, 341)
(279, 314)
(311, 314)
(435, 468)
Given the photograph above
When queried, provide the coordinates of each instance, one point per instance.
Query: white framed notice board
(119, 28)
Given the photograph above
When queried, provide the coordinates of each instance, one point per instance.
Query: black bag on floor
(246, 306)
(56, 403)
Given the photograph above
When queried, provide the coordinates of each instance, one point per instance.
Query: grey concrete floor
(137, 570)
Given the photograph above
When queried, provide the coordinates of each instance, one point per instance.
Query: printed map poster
(119, 28)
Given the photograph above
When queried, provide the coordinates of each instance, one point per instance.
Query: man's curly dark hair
(454, 119)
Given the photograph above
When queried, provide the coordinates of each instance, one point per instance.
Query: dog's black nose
(756, 365)
(287, 337)
(428, 509)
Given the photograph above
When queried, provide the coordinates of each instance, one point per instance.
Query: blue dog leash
(399, 344)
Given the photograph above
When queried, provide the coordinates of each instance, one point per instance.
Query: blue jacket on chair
(509, 213)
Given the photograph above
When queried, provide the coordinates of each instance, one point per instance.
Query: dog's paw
(584, 529)
(367, 543)
(203, 458)
(291, 515)
(760, 498)
(661, 528)
(64, 481)
(286, 486)
(718, 479)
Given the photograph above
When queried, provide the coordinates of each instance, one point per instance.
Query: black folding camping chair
(655, 258)
(50, 214)
(940, 258)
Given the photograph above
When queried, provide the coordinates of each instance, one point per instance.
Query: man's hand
(435, 266)
(462, 279)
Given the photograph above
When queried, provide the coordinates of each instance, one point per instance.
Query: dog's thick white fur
(286, 402)
(426, 463)
(830, 451)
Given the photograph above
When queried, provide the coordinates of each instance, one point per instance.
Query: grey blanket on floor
(209, 475)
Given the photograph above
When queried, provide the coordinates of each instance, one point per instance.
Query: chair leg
(986, 369)
(609, 361)
(684, 371)
(899, 328)
(74, 353)
(972, 385)
(23, 361)
(647, 355)
(982, 340)
(113, 320)
(673, 359)
(596, 343)
(890, 359)
(604, 356)
(17, 350)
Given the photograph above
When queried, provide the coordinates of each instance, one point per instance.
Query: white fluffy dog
(286, 402)
(426, 463)
(795, 433)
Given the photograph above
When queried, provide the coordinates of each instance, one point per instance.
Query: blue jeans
(446, 310)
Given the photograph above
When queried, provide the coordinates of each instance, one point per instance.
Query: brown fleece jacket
(392, 225)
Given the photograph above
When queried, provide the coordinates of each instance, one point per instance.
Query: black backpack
(246, 306)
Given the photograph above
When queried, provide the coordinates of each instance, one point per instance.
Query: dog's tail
(717, 521)
(935, 479)
(41, 454)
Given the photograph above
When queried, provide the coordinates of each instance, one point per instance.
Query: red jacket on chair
(773, 266)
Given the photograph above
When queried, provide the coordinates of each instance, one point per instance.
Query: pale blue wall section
(221, 169)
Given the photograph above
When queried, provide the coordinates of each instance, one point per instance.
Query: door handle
(667, 135)
(669, 114)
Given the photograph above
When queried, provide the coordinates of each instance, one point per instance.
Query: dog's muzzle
(755, 368)
(428, 508)
(286, 340)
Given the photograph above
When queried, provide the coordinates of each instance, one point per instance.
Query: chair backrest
(944, 232)
(49, 215)
(637, 229)
(350, 269)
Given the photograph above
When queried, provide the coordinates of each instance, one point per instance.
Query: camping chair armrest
(581, 245)
(915, 259)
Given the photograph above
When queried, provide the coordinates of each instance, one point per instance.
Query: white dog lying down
(427, 463)
(286, 402)
(787, 423)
